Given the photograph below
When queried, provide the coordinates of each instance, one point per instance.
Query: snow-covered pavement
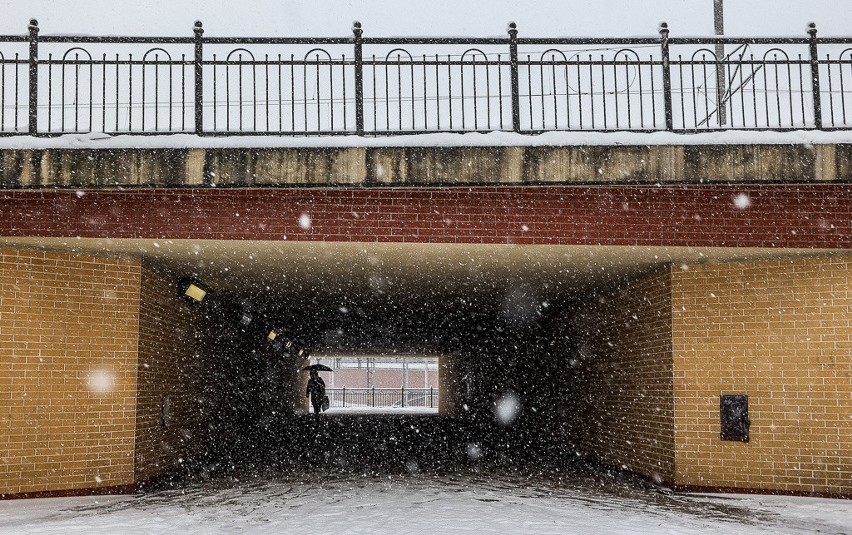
(467, 502)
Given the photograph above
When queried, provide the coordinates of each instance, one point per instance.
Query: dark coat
(316, 390)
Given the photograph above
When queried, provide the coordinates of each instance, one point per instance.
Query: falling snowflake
(305, 221)
(742, 201)
(507, 408)
(101, 381)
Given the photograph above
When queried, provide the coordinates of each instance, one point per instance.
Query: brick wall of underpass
(616, 402)
(68, 354)
(779, 331)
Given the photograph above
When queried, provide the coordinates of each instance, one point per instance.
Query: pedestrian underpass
(548, 358)
(509, 328)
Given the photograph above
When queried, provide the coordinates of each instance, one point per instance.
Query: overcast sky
(423, 17)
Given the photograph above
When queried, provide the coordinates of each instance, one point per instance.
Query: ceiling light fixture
(192, 290)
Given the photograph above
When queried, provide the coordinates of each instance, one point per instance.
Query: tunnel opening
(545, 357)
(361, 383)
(484, 317)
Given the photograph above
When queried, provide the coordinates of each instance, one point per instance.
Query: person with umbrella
(316, 389)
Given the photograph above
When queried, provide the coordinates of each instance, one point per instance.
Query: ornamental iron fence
(54, 84)
(370, 398)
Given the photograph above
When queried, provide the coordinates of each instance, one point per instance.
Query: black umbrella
(317, 367)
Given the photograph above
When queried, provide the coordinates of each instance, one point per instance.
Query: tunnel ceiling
(395, 295)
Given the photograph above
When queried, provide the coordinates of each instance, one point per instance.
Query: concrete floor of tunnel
(390, 446)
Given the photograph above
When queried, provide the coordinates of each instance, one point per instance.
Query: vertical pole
(359, 78)
(667, 75)
(812, 31)
(344, 396)
(199, 79)
(374, 396)
(405, 373)
(402, 399)
(33, 122)
(719, 29)
(431, 396)
(513, 67)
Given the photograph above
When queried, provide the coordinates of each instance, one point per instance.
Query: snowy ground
(417, 503)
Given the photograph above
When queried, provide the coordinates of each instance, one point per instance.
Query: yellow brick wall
(68, 342)
(167, 366)
(781, 332)
(618, 377)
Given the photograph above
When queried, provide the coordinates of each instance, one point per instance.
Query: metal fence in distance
(376, 398)
(52, 84)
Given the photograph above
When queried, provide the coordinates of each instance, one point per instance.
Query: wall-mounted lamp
(192, 290)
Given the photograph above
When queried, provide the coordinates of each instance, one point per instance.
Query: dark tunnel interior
(498, 354)
(490, 333)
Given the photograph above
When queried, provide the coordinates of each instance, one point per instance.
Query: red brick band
(718, 215)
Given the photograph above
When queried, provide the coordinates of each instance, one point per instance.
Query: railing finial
(33, 25)
(198, 28)
(513, 28)
(664, 30)
(356, 29)
(812, 29)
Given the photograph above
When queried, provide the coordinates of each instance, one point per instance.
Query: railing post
(374, 396)
(344, 396)
(431, 397)
(667, 75)
(359, 78)
(812, 31)
(33, 122)
(719, 29)
(199, 79)
(513, 68)
(402, 401)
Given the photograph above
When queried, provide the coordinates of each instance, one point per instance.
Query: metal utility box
(733, 414)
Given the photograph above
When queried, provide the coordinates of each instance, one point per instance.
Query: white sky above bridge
(550, 18)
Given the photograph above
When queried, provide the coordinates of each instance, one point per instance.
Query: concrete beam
(102, 168)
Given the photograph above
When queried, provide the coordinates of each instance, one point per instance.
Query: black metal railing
(51, 85)
(378, 398)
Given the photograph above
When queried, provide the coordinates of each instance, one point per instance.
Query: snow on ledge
(490, 139)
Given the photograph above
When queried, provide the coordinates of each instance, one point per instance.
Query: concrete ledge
(110, 168)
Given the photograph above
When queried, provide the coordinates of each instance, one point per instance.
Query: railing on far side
(375, 398)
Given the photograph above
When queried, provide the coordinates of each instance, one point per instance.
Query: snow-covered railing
(51, 85)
